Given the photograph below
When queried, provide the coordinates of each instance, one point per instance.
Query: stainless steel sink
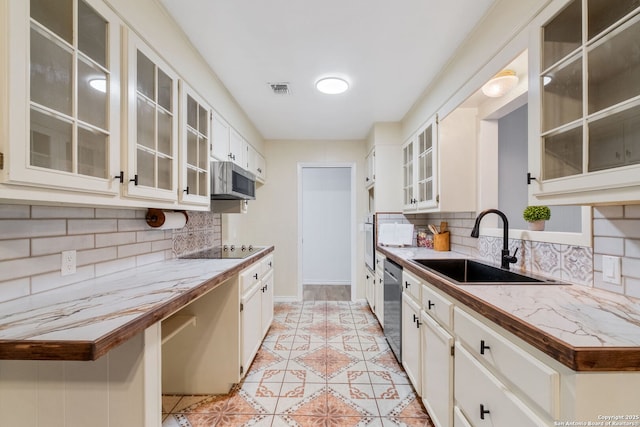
(469, 272)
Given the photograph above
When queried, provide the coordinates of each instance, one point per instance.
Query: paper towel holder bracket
(155, 217)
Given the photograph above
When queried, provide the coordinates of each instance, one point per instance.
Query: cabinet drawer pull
(483, 411)
(270, 264)
(418, 323)
(406, 284)
(415, 318)
(255, 276)
(430, 305)
(483, 347)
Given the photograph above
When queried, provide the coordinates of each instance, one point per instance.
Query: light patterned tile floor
(323, 363)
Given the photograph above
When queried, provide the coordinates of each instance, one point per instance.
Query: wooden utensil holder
(441, 241)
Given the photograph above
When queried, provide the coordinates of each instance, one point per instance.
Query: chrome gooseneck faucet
(506, 258)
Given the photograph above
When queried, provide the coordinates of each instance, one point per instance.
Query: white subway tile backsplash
(25, 267)
(115, 239)
(52, 245)
(16, 229)
(14, 211)
(93, 256)
(616, 228)
(609, 245)
(12, 289)
(11, 249)
(32, 238)
(61, 212)
(632, 287)
(86, 226)
(631, 267)
(610, 212)
(632, 211)
(632, 247)
(126, 251)
(132, 225)
(117, 213)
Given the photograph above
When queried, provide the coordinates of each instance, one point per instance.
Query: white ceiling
(389, 51)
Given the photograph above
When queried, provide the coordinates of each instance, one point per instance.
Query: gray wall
(512, 172)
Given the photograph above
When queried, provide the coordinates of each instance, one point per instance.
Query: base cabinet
(437, 371)
(369, 281)
(411, 351)
(486, 401)
(251, 325)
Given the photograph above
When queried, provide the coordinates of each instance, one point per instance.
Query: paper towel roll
(161, 220)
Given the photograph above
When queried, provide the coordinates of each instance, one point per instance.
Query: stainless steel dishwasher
(393, 307)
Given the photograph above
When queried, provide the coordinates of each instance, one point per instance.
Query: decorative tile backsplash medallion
(203, 231)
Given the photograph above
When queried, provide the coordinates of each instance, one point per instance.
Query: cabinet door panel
(266, 288)
(437, 371)
(411, 352)
(251, 321)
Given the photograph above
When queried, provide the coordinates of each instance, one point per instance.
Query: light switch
(611, 269)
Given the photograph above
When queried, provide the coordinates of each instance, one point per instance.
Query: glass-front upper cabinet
(409, 201)
(426, 180)
(64, 96)
(195, 137)
(586, 99)
(152, 156)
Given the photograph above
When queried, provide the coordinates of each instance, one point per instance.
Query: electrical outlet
(611, 269)
(68, 263)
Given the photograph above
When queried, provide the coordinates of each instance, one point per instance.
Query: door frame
(353, 252)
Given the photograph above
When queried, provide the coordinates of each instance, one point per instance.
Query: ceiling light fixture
(99, 84)
(500, 84)
(332, 85)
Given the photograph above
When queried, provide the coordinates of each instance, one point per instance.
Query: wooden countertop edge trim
(93, 350)
(598, 359)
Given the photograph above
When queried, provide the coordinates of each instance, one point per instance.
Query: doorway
(326, 230)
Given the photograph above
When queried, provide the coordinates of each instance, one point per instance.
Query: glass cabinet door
(153, 130)
(194, 142)
(426, 157)
(590, 90)
(407, 175)
(73, 79)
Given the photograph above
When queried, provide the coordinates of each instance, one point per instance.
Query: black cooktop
(225, 252)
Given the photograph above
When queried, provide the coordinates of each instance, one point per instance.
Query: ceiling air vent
(281, 88)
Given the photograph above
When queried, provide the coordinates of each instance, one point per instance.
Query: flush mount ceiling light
(500, 84)
(99, 84)
(332, 85)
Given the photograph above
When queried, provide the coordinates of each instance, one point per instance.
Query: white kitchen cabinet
(370, 160)
(152, 150)
(221, 132)
(195, 137)
(256, 164)
(383, 178)
(378, 285)
(267, 304)
(439, 165)
(437, 371)
(63, 97)
(484, 400)
(369, 284)
(411, 285)
(237, 149)
(584, 103)
(251, 324)
(411, 348)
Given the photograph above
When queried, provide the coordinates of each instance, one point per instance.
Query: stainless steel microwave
(231, 182)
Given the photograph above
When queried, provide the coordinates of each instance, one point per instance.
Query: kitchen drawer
(438, 306)
(266, 265)
(484, 400)
(411, 285)
(534, 378)
(380, 262)
(250, 276)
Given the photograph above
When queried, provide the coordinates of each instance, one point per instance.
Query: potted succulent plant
(536, 216)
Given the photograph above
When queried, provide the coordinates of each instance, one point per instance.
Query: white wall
(273, 217)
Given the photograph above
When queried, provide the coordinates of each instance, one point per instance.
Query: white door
(326, 212)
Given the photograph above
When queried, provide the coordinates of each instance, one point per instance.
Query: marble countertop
(584, 328)
(84, 320)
